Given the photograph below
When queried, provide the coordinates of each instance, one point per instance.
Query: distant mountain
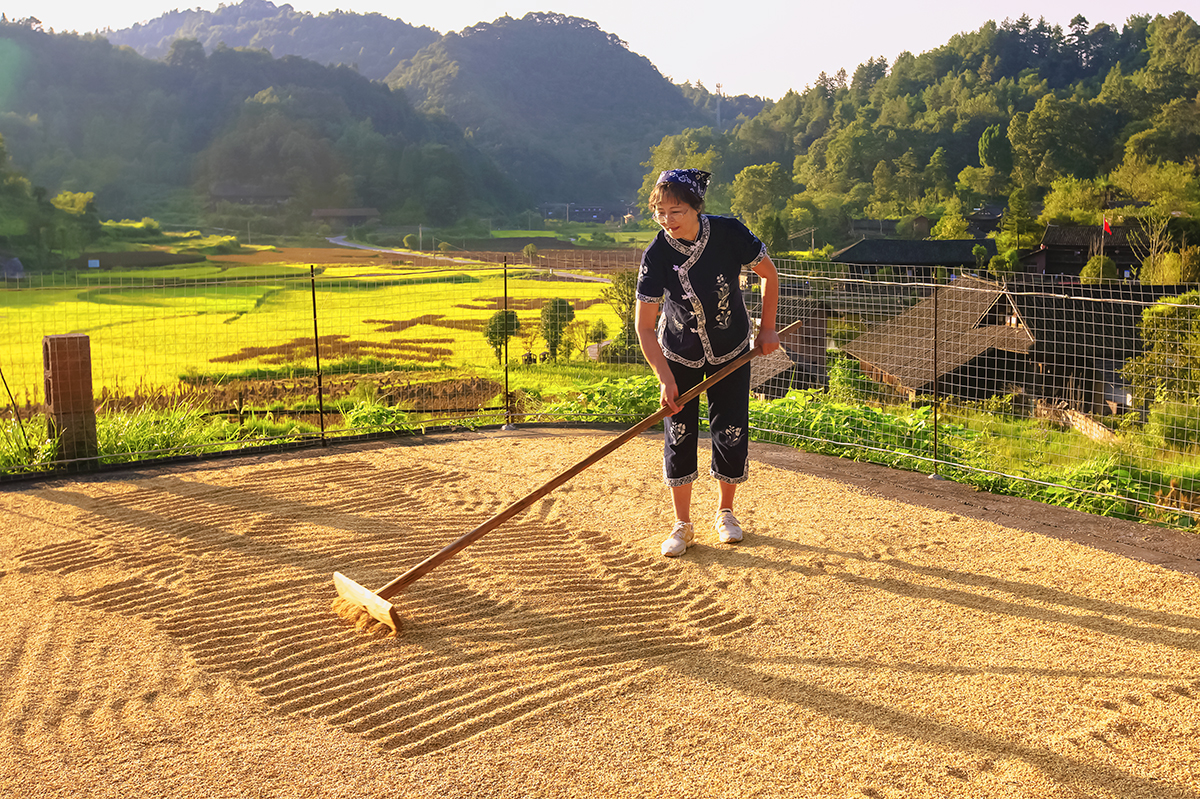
(564, 108)
(371, 43)
(83, 115)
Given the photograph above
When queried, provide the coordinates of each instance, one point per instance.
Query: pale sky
(762, 47)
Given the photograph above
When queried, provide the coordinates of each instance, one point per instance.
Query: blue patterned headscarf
(694, 179)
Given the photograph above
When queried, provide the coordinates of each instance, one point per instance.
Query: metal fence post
(312, 275)
(508, 409)
(936, 398)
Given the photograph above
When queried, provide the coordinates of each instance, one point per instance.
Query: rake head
(355, 600)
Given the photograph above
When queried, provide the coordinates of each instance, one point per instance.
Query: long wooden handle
(450, 550)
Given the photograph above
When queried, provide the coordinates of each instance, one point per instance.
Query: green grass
(994, 452)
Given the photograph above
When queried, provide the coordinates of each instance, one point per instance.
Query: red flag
(1107, 229)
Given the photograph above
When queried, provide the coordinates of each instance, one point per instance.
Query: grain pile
(168, 633)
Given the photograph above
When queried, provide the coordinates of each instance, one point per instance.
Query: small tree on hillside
(556, 315)
(759, 190)
(774, 234)
(410, 241)
(530, 252)
(500, 328)
(952, 225)
(1018, 228)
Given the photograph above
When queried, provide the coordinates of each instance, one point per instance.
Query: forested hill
(1077, 117)
(564, 107)
(81, 115)
(566, 110)
(371, 43)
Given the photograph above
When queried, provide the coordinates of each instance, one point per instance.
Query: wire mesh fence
(1078, 395)
(1081, 395)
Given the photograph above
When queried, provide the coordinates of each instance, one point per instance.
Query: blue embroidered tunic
(704, 317)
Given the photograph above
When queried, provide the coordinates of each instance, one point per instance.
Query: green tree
(1172, 268)
(410, 241)
(884, 190)
(995, 150)
(694, 148)
(937, 174)
(773, 234)
(1098, 269)
(908, 177)
(1000, 267)
(598, 331)
(1072, 201)
(979, 252)
(530, 252)
(1168, 370)
(760, 190)
(556, 315)
(952, 225)
(186, 54)
(1018, 228)
(621, 296)
(502, 326)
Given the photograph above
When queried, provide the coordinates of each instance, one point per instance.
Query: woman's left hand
(768, 340)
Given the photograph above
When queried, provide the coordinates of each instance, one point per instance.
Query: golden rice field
(150, 326)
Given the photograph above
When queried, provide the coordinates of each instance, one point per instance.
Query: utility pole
(718, 108)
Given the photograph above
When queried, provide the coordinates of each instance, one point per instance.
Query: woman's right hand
(668, 394)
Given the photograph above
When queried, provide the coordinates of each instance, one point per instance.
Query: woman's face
(678, 219)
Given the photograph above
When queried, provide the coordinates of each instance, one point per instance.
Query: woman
(692, 268)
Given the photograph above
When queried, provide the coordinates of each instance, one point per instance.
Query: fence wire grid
(1080, 395)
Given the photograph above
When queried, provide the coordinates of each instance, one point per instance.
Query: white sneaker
(728, 529)
(682, 536)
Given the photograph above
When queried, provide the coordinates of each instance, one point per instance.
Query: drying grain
(169, 633)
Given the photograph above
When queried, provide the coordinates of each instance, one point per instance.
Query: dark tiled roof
(898, 252)
(1084, 236)
(1081, 324)
(967, 314)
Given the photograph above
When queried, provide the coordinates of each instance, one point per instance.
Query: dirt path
(167, 632)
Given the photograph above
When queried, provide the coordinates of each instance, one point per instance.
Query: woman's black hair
(677, 192)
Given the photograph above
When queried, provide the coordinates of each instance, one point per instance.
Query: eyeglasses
(660, 216)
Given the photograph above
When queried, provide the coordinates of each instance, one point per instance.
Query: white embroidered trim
(762, 253)
(644, 298)
(735, 480)
(694, 251)
(675, 482)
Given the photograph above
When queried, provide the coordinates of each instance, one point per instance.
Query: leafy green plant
(612, 399)
(373, 416)
(847, 383)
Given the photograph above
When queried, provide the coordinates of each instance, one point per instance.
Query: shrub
(847, 383)
(1177, 424)
(1098, 269)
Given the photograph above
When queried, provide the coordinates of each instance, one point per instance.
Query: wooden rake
(355, 598)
